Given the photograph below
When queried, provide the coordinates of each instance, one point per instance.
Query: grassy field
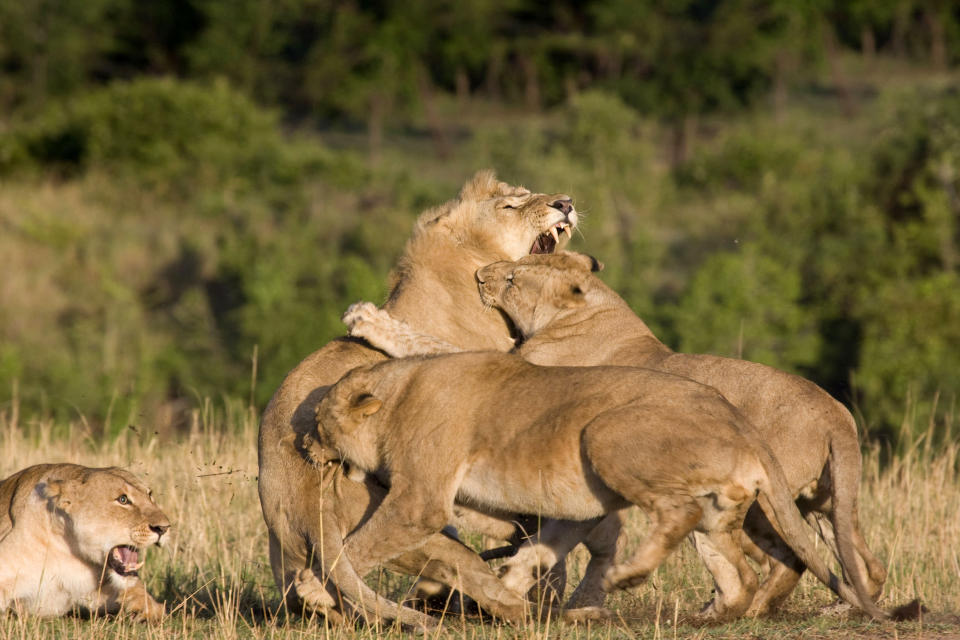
(215, 577)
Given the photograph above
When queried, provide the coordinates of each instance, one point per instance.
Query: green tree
(51, 47)
(748, 305)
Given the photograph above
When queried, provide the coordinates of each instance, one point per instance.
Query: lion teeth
(553, 232)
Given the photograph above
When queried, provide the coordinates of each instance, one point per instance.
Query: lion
(308, 510)
(618, 436)
(71, 537)
(567, 316)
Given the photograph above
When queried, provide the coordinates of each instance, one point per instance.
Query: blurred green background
(192, 191)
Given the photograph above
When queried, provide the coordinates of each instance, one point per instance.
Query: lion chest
(46, 580)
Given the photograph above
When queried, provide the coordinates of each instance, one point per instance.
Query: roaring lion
(618, 436)
(309, 510)
(71, 537)
(567, 316)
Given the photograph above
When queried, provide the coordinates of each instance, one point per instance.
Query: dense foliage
(193, 190)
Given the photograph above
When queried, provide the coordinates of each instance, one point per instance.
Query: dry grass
(215, 577)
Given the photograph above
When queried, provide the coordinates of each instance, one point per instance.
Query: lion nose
(563, 206)
(159, 529)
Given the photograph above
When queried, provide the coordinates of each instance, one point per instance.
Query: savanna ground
(214, 574)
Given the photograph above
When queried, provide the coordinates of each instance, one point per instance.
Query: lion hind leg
(784, 567)
(735, 581)
(672, 518)
(603, 542)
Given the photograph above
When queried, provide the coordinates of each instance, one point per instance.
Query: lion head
(533, 289)
(343, 410)
(495, 218)
(107, 516)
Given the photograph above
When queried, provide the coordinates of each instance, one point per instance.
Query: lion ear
(573, 296)
(482, 185)
(51, 490)
(364, 405)
(586, 261)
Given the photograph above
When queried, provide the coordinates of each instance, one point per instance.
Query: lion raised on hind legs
(309, 510)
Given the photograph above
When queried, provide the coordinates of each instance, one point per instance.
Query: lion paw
(151, 611)
(587, 614)
(710, 613)
(359, 316)
(313, 594)
(624, 578)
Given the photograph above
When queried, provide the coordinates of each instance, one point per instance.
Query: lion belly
(570, 492)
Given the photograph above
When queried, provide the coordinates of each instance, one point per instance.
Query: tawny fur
(58, 525)
(434, 290)
(567, 316)
(617, 436)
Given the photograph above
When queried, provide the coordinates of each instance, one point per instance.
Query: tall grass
(214, 574)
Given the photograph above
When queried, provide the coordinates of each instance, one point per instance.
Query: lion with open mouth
(309, 510)
(72, 537)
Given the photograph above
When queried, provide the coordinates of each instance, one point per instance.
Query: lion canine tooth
(553, 232)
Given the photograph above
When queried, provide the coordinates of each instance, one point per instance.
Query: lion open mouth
(547, 241)
(124, 560)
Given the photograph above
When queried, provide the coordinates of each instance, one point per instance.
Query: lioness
(617, 436)
(309, 510)
(567, 316)
(71, 537)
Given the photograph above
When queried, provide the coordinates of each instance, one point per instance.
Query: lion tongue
(543, 244)
(128, 558)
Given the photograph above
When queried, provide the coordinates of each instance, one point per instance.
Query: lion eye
(123, 499)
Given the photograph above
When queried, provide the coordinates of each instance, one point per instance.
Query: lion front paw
(622, 577)
(582, 615)
(359, 316)
(139, 604)
(311, 591)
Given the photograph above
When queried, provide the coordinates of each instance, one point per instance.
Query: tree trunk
(781, 70)
(531, 91)
(462, 81)
(898, 37)
(494, 72)
(683, 133)
(868, 44)
(39, 86)
(840, 82)
(438, 132)
(378, 110)
(938, 38)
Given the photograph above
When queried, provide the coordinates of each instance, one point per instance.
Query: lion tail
(780, 509)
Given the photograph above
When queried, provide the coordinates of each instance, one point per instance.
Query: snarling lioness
(567, 442)
(309, 510)
(71, 538)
